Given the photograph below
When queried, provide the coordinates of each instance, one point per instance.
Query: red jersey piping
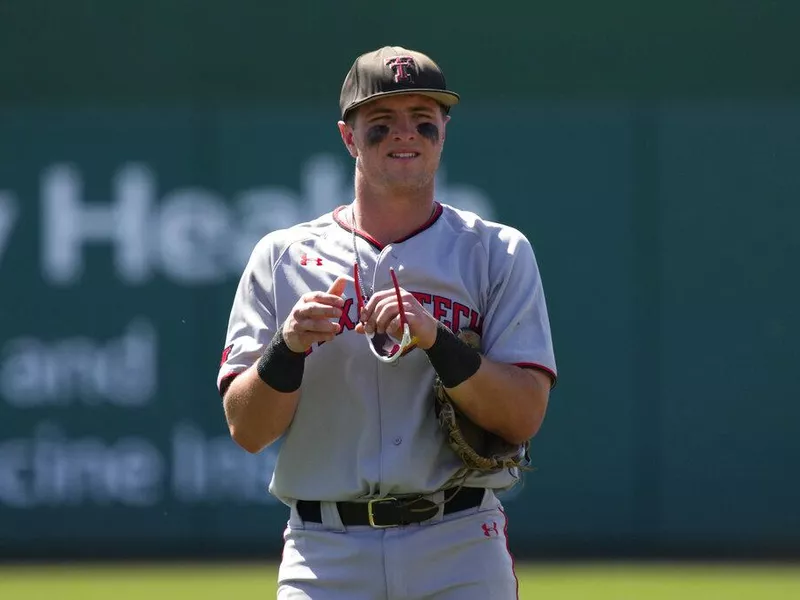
(437, 212)
(548, 371)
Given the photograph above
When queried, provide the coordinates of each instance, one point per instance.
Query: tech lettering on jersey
(452, 314)
(443, 307)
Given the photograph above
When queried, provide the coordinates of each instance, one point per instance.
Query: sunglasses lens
(384, 345)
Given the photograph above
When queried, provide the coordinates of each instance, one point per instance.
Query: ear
(445, 121)
(347, 138)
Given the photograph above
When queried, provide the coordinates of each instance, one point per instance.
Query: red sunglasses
(384, 346)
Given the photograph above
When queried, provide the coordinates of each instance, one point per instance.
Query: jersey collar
(339, 218)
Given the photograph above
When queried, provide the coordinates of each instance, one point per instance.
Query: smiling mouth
(403, 155)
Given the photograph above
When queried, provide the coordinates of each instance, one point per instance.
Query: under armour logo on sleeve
(304, 260)
(490, 530)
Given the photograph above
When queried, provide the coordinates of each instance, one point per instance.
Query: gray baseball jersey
(363, 428)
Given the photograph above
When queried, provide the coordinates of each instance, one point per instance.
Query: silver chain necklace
(366, 289)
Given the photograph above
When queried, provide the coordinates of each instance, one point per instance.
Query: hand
(309, 320)
(382, 315)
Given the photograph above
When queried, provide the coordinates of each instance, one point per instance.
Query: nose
(403, 129)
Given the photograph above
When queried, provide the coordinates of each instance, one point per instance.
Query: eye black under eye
(429, 130)
(376, 134)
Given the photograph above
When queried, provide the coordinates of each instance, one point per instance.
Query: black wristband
(452, 359)
(280, 367)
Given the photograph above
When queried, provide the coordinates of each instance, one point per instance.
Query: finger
(393, 327)
(387, 310)
(370, 312)
(309, 339)
(338, 286)
(379, 319)
(300, 341)
(374, 301)
(323, 298)
(384, 314)
(317, 310)
(316, 326)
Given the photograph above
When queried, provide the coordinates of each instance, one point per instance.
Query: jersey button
(398, 440)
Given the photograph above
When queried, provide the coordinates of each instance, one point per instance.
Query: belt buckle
(371, 515)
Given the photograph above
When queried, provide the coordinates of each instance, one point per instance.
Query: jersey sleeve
(252, 322)
(516, 326)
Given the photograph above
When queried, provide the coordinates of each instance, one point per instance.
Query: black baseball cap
(393, 70)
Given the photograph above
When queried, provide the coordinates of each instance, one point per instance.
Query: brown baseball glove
(480, 450)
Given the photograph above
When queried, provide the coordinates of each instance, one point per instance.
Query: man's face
(397, 141)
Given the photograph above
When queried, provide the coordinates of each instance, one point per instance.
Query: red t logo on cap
(400, 65)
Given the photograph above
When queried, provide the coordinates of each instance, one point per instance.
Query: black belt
(391, 512)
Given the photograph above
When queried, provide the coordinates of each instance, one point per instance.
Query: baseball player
(339, 330)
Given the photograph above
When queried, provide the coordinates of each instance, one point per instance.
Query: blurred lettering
(69, 223)
(121, 371)
(192, 235)
(51, 470)
(8, 217)
(13, 468)
(215, 468)
(193, 228)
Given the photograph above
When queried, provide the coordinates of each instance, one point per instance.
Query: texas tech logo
(401, 66)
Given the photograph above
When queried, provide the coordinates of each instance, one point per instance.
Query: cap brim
(443, 97)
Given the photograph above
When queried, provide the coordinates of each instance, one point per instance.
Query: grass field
(550, 582)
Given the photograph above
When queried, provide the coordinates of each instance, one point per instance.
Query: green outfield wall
(652, 157)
